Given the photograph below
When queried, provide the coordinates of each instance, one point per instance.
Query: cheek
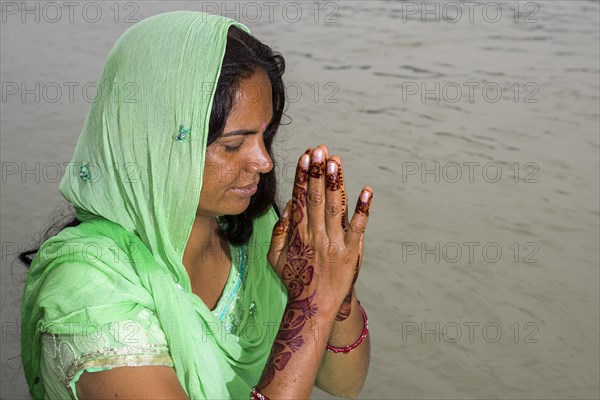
(219, 174)
(209, 176)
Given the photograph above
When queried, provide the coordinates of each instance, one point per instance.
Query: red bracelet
(362, 337)
(256, 395)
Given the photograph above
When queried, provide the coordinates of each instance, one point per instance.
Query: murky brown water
(479, 133)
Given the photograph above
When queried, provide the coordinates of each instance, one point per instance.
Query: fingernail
(285, 212)
(305, 161)
(365, 196)
(331, 167)
(318, 155)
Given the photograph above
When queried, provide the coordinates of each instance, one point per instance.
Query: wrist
(363, 335)
(345, 332)
(318, 312)
(324, 307)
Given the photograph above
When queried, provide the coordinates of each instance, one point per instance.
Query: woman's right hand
(313, 250)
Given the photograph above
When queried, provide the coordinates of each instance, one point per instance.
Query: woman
(178, 281)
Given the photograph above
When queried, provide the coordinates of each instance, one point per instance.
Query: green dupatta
(135, 182)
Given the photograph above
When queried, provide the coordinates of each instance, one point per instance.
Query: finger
(298, 210)
(333, 200)
(315, 201)
(280, 237)
(325, 149)
(322, 147)
(357, 225)
(344, 200)
(283, 225)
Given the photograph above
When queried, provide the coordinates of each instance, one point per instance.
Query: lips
(246, 191)
(252, 185)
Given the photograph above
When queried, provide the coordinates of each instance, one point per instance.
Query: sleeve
(137, 341)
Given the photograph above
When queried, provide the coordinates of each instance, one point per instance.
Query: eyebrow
(239, 132)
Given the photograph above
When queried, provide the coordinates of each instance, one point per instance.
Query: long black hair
(244, 55)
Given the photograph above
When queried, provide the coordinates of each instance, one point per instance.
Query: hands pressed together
(315, 249)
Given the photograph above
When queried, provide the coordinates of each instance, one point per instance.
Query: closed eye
(239, 132)
(232, 149)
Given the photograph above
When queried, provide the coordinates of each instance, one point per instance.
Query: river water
(477, 124)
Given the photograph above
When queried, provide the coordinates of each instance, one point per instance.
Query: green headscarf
(135, 182)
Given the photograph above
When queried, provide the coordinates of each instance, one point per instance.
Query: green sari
(135, 181)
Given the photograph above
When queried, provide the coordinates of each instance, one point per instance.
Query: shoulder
(93, 241)
(83, 267)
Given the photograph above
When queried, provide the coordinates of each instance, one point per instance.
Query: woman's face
(235, 160)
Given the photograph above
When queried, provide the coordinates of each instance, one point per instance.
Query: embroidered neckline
(228, 309)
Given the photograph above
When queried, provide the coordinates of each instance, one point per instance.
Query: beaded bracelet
(347, 349)
(256, 395)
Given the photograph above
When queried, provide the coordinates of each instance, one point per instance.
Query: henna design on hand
(301, 175)
(299, 195)
(317, 169)
(333, 180)
(344, 199)
(289, 339)
(297, 213)
(282, 226)
(363, 207)
(297, 275)
(278, 359)
(297, 272)
(297, 248)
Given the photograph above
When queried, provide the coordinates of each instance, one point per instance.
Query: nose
(261, 161)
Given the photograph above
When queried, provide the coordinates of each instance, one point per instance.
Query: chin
(237, 207)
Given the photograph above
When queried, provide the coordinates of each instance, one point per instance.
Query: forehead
(253, 99)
